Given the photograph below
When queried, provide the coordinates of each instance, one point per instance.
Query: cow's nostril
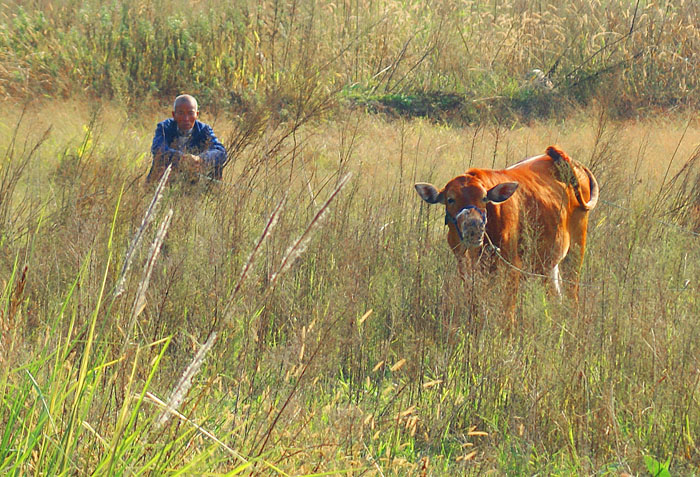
(471, 224)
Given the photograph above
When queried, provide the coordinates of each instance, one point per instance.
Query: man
(186, 143)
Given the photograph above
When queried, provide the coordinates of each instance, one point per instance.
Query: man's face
(185, 115)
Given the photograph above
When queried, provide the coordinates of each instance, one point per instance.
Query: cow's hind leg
(574, 260)
(555, 276)
(554, 273)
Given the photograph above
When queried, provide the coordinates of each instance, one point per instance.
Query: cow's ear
(429, 193)
(501, 192)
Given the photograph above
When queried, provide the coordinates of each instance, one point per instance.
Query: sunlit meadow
(304, 315)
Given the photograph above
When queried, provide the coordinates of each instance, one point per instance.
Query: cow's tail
(567, 173)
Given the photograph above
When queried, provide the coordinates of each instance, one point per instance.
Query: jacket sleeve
(215, 155)
(163, 155)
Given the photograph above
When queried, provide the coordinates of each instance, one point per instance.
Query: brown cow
(489, 210)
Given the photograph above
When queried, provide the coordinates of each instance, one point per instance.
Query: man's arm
(163, 155)
(215, 155)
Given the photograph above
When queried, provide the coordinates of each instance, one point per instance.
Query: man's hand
(191, 164)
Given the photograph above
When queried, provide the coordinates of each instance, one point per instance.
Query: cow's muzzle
(470, 223)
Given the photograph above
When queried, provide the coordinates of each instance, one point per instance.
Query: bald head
(185, 99)
(185, 112)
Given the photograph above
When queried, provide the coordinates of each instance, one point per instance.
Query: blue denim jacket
(202, 142)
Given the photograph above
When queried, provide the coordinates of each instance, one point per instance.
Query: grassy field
(304, 316)
(365, 353)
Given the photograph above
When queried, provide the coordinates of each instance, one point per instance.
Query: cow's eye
(450, 200)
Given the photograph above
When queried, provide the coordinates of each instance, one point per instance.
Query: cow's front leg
(460, 251)
(510, 267)
(463, 267)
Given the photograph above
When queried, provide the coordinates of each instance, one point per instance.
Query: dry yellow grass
(303, 377)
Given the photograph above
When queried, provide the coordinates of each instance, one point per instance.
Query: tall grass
(367, 354)
(416, 54)
(304, 316)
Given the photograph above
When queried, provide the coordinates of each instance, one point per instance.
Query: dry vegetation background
(304, 316)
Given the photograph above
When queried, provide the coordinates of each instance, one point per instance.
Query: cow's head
(465, 199)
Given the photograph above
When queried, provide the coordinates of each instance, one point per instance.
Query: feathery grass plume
(271, 222)
(293, 252)
(183, 386)
(299, 246)
(180, 391)
(140, 300)
(147, 218)
(156, 400)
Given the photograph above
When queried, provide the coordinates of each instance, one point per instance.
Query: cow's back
(544, 212)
